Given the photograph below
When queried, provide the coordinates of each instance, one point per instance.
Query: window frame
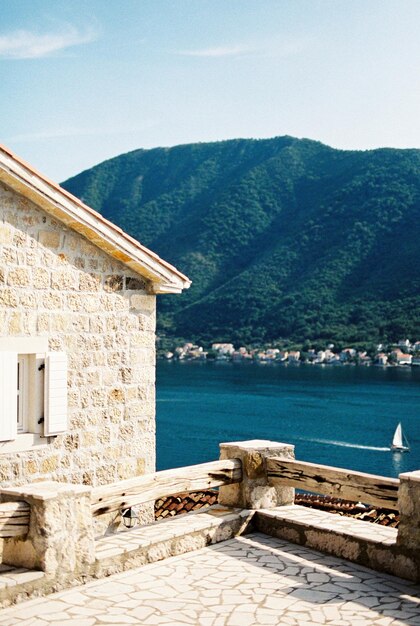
(22, 393)
(31, 394)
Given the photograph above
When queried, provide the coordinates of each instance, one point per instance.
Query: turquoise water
(341, 416)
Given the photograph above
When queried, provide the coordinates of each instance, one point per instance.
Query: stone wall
(54, 283)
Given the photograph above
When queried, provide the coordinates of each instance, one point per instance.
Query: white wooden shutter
(8, 396)
(55, 393)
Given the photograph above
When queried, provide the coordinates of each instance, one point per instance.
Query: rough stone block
(15, 324)
(52, 301)
(255, 492)
(60, 539)
(64, 280)
(89, 282)
(8, 298)
(28, 301)
(19, 277)
(409, 509)
(6, 234)
(40, 278)
(114, 283)
(49, 239)
(143, 303)
(135, 284)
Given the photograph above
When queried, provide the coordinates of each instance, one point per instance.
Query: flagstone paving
(251, 580)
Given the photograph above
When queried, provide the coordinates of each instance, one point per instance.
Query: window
(33, 389)
(22, 393)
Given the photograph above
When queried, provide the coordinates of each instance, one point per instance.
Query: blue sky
(82, 81)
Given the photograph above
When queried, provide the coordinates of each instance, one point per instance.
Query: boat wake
(345, 444)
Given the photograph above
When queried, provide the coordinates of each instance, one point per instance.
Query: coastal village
(402, 354)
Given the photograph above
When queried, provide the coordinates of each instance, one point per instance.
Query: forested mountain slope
(283, 238)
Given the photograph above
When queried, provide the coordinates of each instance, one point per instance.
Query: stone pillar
(409, 509)
(60, 539)
(255, 492)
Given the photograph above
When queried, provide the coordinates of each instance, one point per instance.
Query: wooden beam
(14, 519)
(134, 491)
(333, 481)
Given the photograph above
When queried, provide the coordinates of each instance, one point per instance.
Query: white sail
(398, 440)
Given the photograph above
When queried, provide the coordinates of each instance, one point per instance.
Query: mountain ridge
(282, 237)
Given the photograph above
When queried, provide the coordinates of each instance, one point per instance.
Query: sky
(85, 80)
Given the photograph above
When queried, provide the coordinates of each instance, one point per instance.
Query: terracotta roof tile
(183, 503)
(384, 517)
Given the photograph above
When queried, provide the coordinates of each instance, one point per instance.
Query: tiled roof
(186, 502)
(384, 517)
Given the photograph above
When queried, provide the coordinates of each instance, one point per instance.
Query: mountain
(283, 237)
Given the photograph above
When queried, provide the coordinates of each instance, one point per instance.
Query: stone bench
(361, 542)
(147, 544)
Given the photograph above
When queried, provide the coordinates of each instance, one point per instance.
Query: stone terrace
(254, 522)
(246, 581)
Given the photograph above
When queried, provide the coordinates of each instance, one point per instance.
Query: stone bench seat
(300, 517)
(147, 544)
(368, 544)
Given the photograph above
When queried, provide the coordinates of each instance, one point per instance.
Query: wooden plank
(333, 481)
(141, 489)
(14, 519)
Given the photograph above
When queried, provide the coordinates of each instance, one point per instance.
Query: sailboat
(399, 441)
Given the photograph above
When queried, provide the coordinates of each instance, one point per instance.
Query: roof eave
(163, 277)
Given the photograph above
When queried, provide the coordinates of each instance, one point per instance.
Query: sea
(339, 416)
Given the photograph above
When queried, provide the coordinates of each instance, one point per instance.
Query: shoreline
(253, 362)
(402, 354)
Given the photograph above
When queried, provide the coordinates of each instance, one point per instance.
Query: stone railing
(253, 475)
(270, 475)
(58, 536)
(151, 487)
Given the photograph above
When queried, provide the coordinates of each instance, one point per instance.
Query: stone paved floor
(248, 581)
(334, 523)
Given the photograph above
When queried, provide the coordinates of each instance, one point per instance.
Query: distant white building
(223, 348)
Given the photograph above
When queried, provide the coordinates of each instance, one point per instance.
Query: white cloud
(23, 44)
(219, 51)
(274, 48)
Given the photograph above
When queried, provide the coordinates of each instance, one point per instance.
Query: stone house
(77, 337)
